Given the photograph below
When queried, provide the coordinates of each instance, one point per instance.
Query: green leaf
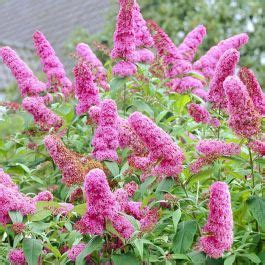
(32, 249)
(16, 217)
(183, 238)
(125, 259)
(256, 206)
(179, 256)
(40, 215)
(230, 260)
(197, 258)
(94, 244)
(253, 257)
(80, 209)
(113, 168)
(139, 244)
(176, 217)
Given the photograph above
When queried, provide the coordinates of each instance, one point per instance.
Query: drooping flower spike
(101, 206)
(42, 115)
(226, 66)
(250, 81)
(105, 140)
(207, 63)
(85, 89)
(51, 64)
(27, 82)
(85, 53)
(219, 226)
(243, 117)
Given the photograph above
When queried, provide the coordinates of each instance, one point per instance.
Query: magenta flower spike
(243, 117)
(250, 81)
(219, 226)
(258, 147)
(85, 89)
(16, 257)
(51, 65)
(105, 140)
(27, 82)
(207, 63)
(226, 66)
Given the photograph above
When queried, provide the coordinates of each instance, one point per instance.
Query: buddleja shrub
(158, 162)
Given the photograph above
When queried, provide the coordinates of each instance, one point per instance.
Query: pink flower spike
(219, 226)
(207, 63)
(162, 149)
(73, 253)
(27, 82)
(243, 117)
(192, 41)
(51, 64)
(145, 56)
(225, 67)
(105, 140)
(41, 114)
(16, 257)
(43, 196)
(184, 84)
(258, 147)
(85, 89)
(124, 69)
(250, 81)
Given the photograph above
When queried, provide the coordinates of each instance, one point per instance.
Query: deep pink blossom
(99, 72)
(243, 117)
(42, 115)
(43, 196)
(150, 220)
(163, 152)
(94, 113)
(225, 67)
(105, 140)
(101, 206)
(16, 257)
(27, 82)
(173, 60)
(76, 195)
(192, 41)
(75, 251)
(210, 151)
(258, 147)
(250, 81)
(183, 84)
(219, 226)
(124, 68)
(207, 63)
(85, 88)
(131, 188)
(51, 64)
(11, 199)
(200, 114)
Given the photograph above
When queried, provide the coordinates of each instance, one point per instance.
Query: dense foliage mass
(154, 158)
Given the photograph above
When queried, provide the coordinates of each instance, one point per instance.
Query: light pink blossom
(51, 64)
(250, 81)
(43, 196)
(207, 63)
(243, 117)
(225, 67)
(105, 140)
(27, 82)
(85, 88)
(219, 226)
(42, 115)
(183, 84)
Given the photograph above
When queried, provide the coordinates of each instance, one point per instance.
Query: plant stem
(124, 99)
(252, 167)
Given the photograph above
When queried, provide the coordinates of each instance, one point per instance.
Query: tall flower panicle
(219, 226)
(250, 81)
(173, 60)
(101, 206)
(210, 151)
(200, 114)
(94, 113)
(164, 154)
(85, 88)
(51, 64)
(150, 220)
(225, 67)
(73, 166)
(27, 82)
(105, 140)
(11, 199)
(243, 117)
(85, 53)
(192, 41)
(184, 84)
(207, 63)
(75, 251)
(143, 38)
(16, 257)
(42, 115)
(124, 41)
(258, 147)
